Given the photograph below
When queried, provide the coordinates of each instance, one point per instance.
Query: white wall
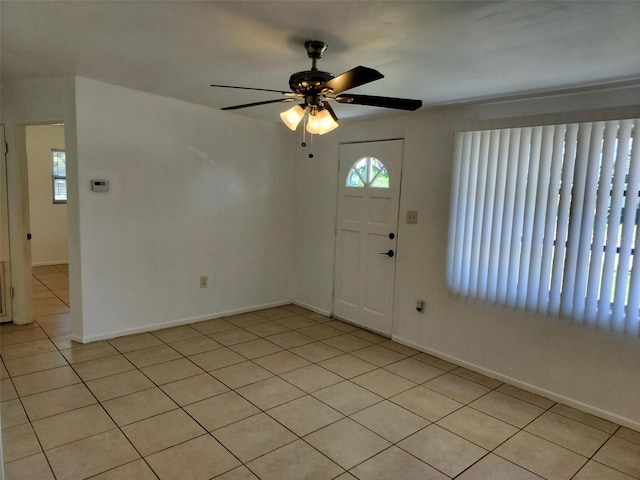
(194, 191)
(595, 371)
(48, 220)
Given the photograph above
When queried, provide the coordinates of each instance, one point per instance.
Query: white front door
(367, 223)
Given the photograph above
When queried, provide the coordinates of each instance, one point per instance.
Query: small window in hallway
(59, 175)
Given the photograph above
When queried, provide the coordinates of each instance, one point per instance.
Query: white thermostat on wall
(99, 185)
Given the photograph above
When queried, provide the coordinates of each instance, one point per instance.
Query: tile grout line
(83, 382)
(207, 432)
(382, 367)
(19, 397)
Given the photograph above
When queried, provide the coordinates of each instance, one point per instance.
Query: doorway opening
(37, 279)
(47, 186)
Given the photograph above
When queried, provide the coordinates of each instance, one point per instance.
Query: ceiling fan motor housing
(309, 81)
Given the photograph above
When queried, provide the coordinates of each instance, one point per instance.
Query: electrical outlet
(204, 281)
(412, 216)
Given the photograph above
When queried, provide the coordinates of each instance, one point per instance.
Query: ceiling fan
(314, 89)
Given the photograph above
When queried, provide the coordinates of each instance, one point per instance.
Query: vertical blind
(545, 219)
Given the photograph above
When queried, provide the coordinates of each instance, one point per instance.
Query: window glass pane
(59, 163)
(60, 190)
(354, 180)
(376, 166)
(381, 180)
(361, 167)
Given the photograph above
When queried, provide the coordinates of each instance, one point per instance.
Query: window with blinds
(545, 219)
(59, 175)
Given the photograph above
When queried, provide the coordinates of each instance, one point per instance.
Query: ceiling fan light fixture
(316, 87)
(293, 116)
(320, 123)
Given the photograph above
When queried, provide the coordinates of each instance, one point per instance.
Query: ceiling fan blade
(327, 107)
(255, 104)
(385, 102)
(353, 78)
(251, 88)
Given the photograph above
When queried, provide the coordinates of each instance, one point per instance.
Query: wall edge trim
(313, 308)
(49, 263)
(175, 323)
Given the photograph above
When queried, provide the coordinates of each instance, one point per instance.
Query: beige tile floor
(278, 394)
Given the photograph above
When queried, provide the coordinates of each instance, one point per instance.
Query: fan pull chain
(304, 130)
(304, 137)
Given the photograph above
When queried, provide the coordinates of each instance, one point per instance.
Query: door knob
(389, 253)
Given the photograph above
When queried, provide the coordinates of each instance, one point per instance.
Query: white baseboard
(313, 308)
(572, 402)
(186, 321)
(175, 323)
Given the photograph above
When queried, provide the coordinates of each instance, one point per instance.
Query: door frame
(335, 233)
(5, 252)
(18, 207)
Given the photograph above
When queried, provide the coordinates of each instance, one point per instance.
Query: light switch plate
(412, 216)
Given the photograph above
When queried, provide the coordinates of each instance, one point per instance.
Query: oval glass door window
(368, 172)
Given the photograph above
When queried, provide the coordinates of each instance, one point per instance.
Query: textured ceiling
(439, 52)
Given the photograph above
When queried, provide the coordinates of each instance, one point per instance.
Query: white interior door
(366, 237)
